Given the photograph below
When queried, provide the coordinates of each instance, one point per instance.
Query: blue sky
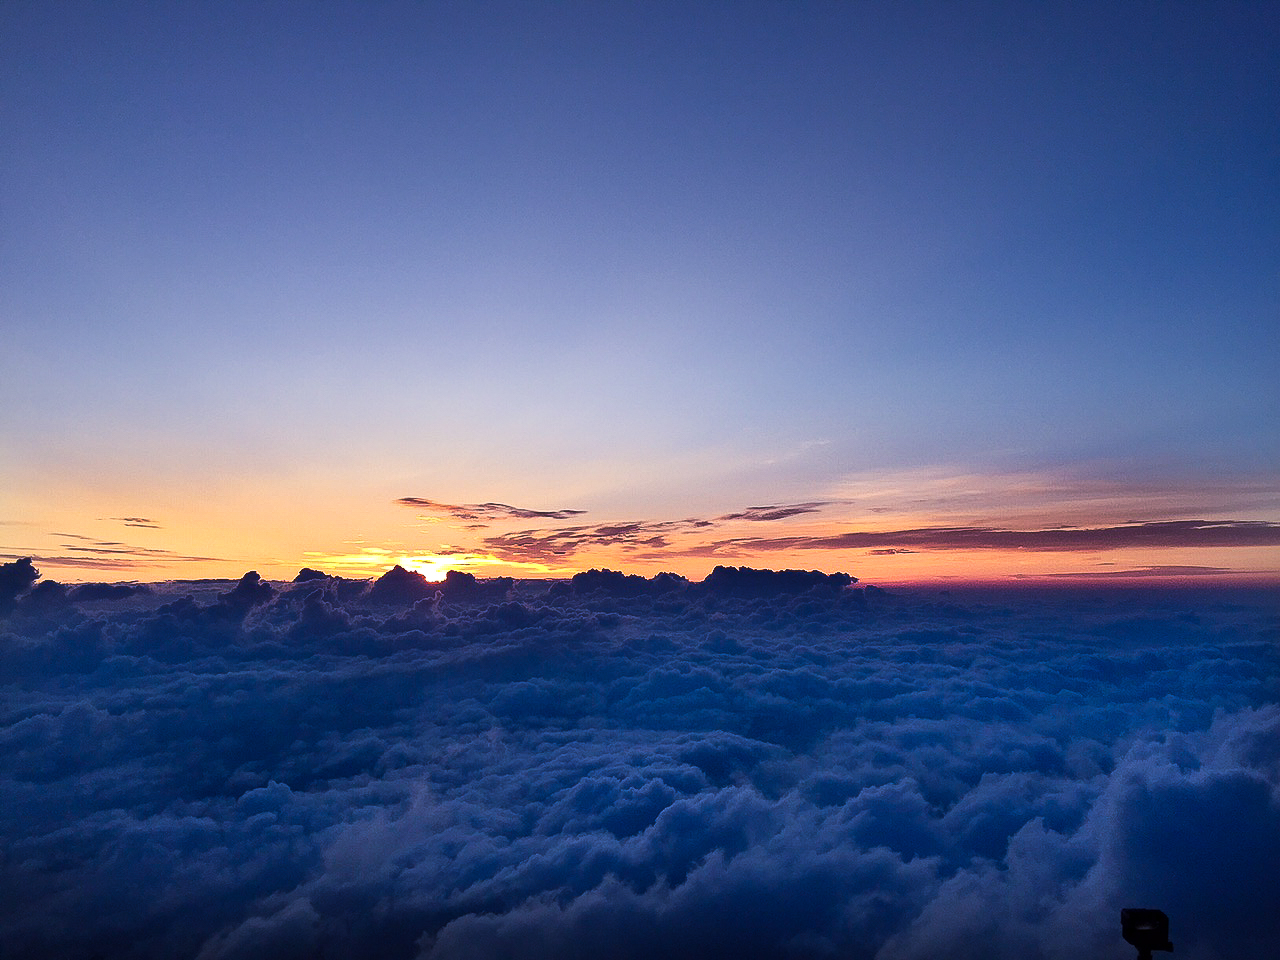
(648, 260)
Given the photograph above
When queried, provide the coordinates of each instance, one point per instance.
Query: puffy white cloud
(260, 771)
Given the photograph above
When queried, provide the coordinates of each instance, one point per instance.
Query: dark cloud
(1157, 570)
(615, 584)
(485, 513)
(89, 592)
(251, 591)
(1165, 533)
(636, 767)
(643, 537)
(648, 538)
(16, 578)
(87, 563)
(747, 582)
(92, 553)
(138, 522)
(777, 511)
(652, 537)
(399, 585)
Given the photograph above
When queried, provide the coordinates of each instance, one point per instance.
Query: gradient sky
(928, 277)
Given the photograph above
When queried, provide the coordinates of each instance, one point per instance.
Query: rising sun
(432, 567)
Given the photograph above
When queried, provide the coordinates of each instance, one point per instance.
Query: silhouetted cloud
(653, 539)
(92, 553)
(399, 585)
(762, 765)
(616, 584)
(777, 511)
(16, 578)
(649, 538)
(552, 545)
(1155, 570)
(1166, 533)
(484, 513)
(87, 563)
(138, 522)
(747, 582)
(89, 592)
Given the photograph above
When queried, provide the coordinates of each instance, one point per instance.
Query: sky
(918, 291)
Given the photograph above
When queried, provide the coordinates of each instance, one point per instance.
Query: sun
(430, 566)
(376, 560)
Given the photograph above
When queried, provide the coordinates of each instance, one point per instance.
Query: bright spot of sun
(372, 561)
(432, 567)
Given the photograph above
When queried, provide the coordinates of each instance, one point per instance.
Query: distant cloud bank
(1164, 533)
(694, 537)
(758, 765)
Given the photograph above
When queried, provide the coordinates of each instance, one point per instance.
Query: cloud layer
(1163, 533)
(698, 537)
(749, 767)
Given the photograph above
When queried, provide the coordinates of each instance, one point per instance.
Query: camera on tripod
(1147, 930)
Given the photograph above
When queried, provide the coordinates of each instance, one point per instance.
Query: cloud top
(764, 764)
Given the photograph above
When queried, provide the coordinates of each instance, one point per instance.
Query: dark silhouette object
(1146, 929)
(401, 586)
(747, 583)
(16, 579)
(461, 587)
(609, 582)
(89, 592)
(45, 597)
(249, 592)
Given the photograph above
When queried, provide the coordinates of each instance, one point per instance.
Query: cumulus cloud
(106, 591)
(761, 765)
(16, 578)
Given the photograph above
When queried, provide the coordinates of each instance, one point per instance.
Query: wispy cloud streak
(138, 522)
(95, 554)
(652, 536)
(1158, 534)
(679, 537)
(777, 511)
(1142, 573)
(485, 513)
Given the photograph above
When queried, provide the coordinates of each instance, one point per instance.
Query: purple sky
(268, 268)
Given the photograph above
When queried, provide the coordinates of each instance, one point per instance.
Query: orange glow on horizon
(911, 527)
(371, 561)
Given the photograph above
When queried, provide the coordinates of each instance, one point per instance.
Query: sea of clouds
(755, 766)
